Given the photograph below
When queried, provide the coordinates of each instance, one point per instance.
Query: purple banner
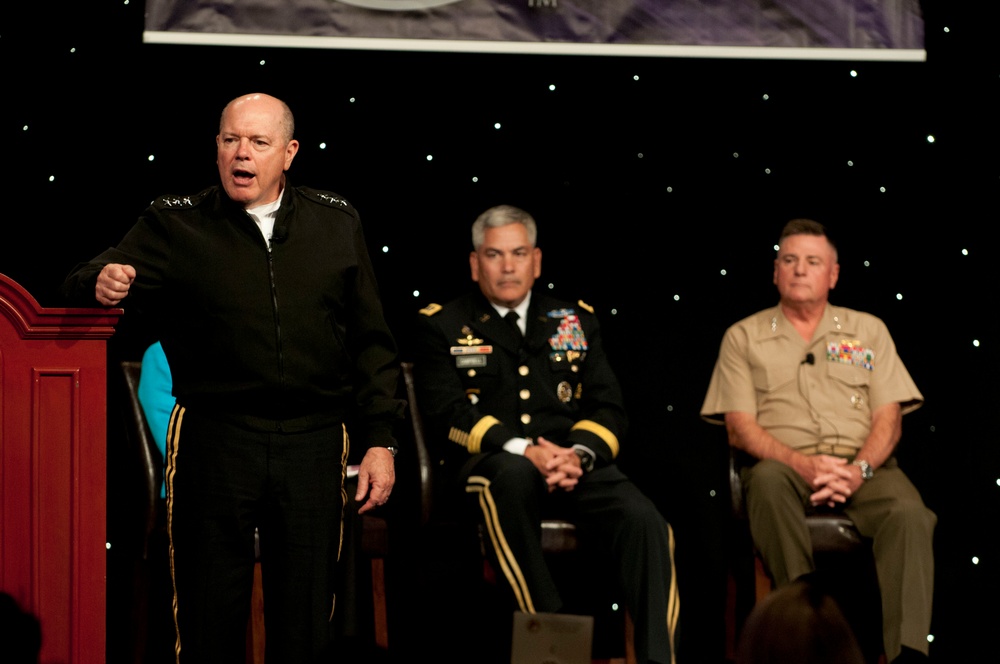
(859, 29)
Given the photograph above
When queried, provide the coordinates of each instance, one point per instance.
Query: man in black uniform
(265, 301)
(535, 412)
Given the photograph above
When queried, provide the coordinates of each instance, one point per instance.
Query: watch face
(586, 461)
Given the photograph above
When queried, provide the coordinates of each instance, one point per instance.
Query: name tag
(464, 362)
(471, 350)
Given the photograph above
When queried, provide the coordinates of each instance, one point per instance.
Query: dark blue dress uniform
(273, 349)
(479, 385)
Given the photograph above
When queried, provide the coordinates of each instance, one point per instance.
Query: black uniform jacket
(293, 333)
(479, 386)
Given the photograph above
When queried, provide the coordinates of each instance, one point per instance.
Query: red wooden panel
(54, 523)
(53, 495)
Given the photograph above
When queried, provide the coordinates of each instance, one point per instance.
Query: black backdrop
(659, 186)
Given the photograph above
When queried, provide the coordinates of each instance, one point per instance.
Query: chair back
(143, 446)
(424, 462)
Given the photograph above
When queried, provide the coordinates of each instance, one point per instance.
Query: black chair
(150, 461)
(147, 463)
(839, 550)
(558, 536)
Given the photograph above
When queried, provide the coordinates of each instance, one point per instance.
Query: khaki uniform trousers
(887, 509)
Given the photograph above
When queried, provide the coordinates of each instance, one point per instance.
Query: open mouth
(242, 177)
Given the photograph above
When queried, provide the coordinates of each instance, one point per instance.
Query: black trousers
(614, 520)
(223, 483)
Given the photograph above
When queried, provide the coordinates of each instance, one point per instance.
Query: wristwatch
(393, 450)
(586, 459)
(867, 472)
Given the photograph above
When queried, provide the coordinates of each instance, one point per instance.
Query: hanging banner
(797, 29)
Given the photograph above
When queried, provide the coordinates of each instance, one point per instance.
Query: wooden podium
(53, 494)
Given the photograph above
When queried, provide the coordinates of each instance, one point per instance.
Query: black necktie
(511, 318)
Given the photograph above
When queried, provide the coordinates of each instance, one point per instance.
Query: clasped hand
(833, 479)
(559, 465)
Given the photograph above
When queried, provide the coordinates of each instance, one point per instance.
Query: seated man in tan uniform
(816, 393)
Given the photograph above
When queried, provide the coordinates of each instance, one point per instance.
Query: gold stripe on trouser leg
(508, 564)
(343, 505)
(173, 440)
(673, 600)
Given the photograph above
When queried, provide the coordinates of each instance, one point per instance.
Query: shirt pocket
(769, 378)
(850, 383)
(478, 372)
(563, 366)
(565, 374)
(848, 374)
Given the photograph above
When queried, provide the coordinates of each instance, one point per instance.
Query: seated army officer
(534, 414)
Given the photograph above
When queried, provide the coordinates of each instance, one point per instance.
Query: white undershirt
(265, 215)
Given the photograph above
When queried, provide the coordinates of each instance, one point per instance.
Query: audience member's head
(22, 633)
(800, 623)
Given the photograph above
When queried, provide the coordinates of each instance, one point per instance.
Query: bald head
(286, 121)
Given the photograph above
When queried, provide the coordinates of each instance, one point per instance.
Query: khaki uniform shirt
(807, 394)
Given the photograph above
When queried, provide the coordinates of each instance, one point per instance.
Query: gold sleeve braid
(473, 441)
(602, 432)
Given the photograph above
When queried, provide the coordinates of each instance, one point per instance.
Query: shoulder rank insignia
(326, 197)
(431, 309)
(586, 306)
(171, 201)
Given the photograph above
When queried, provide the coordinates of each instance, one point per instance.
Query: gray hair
(502, 215)
(807, 227)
